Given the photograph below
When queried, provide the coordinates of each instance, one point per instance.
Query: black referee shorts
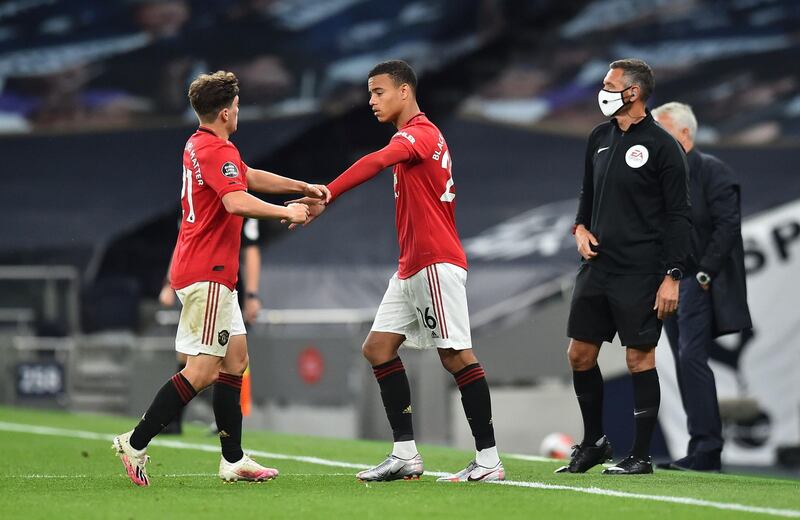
(604, 304)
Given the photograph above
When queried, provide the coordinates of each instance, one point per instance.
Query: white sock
(487, 457)
(405, 450)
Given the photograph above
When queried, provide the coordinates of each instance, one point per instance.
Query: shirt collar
(644, 123)
(418, 114)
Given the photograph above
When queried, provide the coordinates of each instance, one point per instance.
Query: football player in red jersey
(425, 305)
(205, 265)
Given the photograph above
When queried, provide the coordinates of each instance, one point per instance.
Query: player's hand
(667, 298)
(167, 296)
(584, 240)
(297, 214)
(252, 306)
(315, 209)
(318, 191)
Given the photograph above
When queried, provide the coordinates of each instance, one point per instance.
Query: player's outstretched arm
(361, 171)
(368, 167)
(267, 182)
(245, 205)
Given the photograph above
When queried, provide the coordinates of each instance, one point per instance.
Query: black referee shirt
(635, 198)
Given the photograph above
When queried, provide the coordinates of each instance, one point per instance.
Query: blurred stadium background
(93, 116)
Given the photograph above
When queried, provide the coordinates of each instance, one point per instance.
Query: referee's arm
(586, 198)
(678, 211)
(583, 237)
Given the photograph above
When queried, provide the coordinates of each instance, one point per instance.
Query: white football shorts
(429, 308)
(209, 317)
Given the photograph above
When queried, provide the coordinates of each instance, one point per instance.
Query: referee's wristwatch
(251, 295)
(703, 278)
(675, 273)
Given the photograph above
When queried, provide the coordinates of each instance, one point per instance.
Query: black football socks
(396, 396)
(646, 400)
(228, 413)
(169, 401)
(588, 386)
(477, 403)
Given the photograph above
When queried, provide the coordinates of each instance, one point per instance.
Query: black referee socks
(646, 400)
(588, 386)
(477, 404)
(228, 414)
(169, 401)
(396, 396)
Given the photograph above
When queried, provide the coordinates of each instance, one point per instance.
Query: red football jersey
(209, 237)
(425, 200)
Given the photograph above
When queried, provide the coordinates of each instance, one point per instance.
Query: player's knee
(237, 366)
(580, 357)
(370, 350)
(640, 360)
(456, 360)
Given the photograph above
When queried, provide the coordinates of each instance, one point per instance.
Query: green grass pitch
(51, 468)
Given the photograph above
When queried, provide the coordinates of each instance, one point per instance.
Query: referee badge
(637, 156)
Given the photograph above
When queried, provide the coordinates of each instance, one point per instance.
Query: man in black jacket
(632, 230)
(714, 296)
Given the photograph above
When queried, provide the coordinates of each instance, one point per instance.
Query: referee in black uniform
(713, 295)
(632, 230)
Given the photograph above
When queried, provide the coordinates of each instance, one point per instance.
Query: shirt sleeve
(369, 166)
(722, 198)
(416, 140)
(223, 170)
(678, 211)
(586, 197)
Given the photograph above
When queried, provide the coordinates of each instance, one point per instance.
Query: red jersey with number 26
(209, 237)
(425, 200)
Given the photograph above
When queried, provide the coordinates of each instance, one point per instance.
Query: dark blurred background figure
(713, 294)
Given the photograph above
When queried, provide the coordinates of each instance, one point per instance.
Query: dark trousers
(690, 336)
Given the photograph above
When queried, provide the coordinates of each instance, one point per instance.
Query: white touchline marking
(171, 475)
(729, 506)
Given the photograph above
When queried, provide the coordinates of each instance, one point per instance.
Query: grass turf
(55, 477)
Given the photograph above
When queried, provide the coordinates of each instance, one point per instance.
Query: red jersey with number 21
(209, 238)
(425, 200)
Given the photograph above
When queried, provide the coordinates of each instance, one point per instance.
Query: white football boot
(133, 460)
(393, 468)
(476, 473)
(245, 469)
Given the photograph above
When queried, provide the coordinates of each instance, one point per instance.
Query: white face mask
(610, 102)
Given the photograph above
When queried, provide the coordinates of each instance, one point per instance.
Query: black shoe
(683, 464)
(706, 461)
(586, 457)
(630, 465)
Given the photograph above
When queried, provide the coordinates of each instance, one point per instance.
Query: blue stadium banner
(40, 379)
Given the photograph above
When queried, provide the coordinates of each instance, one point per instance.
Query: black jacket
(717, 239)
(635, 199)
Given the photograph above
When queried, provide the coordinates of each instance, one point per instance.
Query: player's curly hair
(210, 93)
(400, 72)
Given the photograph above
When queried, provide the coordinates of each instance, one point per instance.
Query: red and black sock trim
(386, 369)
(168, 402)
(230, 380)
(228, 414)
(477, 404)
(184, 387)
(469, 374)
(396, 397)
